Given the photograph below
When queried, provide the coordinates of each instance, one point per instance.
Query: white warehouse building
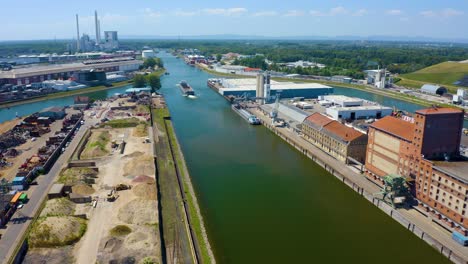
(359, 112)
(342, 100)
(148, 54)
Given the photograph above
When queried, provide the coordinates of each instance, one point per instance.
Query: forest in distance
(348, 58)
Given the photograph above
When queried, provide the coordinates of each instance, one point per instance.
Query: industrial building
(34, 74)
(53, 112)
(148, 54)
(336, 139)
(433, 89)
(359, 112)
(248, 87)
(379, 78)
(342, 100)
(426, 151)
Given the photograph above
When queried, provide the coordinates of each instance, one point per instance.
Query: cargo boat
(252, 119)
(186, 88)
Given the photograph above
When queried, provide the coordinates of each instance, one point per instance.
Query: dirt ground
(135, 208)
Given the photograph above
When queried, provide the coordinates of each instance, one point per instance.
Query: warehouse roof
(395, 126)
(58, 68)
(437, 110)
(333, 127)
(319, 119)
(343, 132)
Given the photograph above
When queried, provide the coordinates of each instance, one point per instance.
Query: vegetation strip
(194, 218)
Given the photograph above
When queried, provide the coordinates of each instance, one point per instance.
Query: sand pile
(83, 189)
(142, 165)
(134, 154)
(139, 211)
(58, 207)
(56, 231)
(145, 191)
(62, 255)
(143, 179)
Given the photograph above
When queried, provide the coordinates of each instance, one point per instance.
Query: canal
(263, 201)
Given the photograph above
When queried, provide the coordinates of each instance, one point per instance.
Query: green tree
(154, 82)
(219, 57)
(139, 81)
(149, 63)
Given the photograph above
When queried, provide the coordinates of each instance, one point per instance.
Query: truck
(460, 239)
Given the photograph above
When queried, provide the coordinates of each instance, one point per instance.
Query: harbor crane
(395, 191)
(274, 111)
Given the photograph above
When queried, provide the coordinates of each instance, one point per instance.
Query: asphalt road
(20, 221)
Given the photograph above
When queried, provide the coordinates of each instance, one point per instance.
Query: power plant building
(426, 151)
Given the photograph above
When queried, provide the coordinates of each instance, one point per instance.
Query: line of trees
(152, 62)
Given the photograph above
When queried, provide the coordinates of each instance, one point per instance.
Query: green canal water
(263, 201)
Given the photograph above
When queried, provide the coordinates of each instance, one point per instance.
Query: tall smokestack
(77, 34)
(96, 22)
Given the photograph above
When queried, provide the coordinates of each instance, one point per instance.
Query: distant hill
(445, 73)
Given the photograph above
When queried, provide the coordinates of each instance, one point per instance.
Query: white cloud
(339, 10)
(151, 13)
(394, 12)
(114, 18)
(294, 13)
(185, 13)
(427, 13)
(450, 12)
(265, 13)
(316, 13)
(444, 13)
(360, 12)
(404, 19)
(234, 11)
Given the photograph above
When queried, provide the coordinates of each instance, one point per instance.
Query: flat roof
(362, 108)
(437, 110)
(56, 188)
(251, 83)
(456, 169)
(58, 68)
(342, 98)
(395, 126)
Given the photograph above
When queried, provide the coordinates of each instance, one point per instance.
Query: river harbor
(263, 201)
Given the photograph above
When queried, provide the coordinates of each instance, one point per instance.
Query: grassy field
(445, 73)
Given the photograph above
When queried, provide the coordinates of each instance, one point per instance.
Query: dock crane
(274, 111)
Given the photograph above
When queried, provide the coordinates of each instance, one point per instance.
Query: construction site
(103, 207)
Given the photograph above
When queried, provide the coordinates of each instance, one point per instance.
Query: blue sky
(40, 19)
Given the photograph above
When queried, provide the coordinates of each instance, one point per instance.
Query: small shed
(56, 191)
(77, 198)
(53, 112)
(433, 89)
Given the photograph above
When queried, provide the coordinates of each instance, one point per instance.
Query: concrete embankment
(183, 229)
(356, 181)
